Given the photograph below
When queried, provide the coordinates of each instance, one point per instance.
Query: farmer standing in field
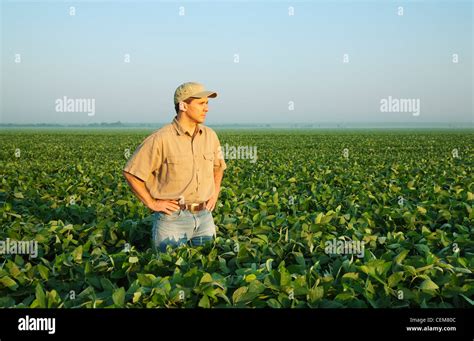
(177, 172)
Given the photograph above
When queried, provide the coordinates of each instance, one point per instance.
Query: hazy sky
(290, 67)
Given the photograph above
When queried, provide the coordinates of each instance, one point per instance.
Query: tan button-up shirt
(173, 163)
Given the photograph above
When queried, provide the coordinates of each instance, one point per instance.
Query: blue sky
(282, 59)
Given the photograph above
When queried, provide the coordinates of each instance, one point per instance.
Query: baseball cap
(191, 90)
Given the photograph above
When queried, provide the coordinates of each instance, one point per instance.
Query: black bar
(353, 324)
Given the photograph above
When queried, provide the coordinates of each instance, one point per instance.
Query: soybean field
(320, 219)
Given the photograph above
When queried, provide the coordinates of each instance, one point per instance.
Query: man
(177, 172)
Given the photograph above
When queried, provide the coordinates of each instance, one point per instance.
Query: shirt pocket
(208, 166)
(178, 168)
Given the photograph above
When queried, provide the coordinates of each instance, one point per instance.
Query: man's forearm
(139, 189)
(218, 175)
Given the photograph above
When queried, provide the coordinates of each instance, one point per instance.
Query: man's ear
(182, 106)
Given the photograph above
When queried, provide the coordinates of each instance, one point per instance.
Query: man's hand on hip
(165, 206)
(211, 203)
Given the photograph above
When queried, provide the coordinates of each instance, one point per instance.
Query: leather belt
(193, 207)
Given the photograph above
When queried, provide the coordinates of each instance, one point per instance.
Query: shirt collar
(180, 130)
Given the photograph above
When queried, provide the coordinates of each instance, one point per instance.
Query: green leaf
(136, 296)
(315, 294)
(428, 285)
(77, 254)
(273, 303)
(14, 270)
(121, 202)
(44, 271)
(53, 298)
(351, 275)
(319, 217)
(18, 195)
(394, 279)
(146, 280)
(40, 296)
(118, 297)
(275, 198)
(239, 294)
(285, 277)
(249, 278)
(344, 296)
(401, 256)
(204, 302)
(8, 283)
(206, 278)
(268, 264)
(471, 302)
(470, 196)
(462, 270)
(422, 210)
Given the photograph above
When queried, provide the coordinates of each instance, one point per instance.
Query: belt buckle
(194, 206)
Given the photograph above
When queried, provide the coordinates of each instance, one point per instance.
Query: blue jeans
(181, 227)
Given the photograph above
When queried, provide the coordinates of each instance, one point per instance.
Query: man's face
(197, 109)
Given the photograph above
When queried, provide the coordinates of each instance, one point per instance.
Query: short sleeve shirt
(174, 164)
